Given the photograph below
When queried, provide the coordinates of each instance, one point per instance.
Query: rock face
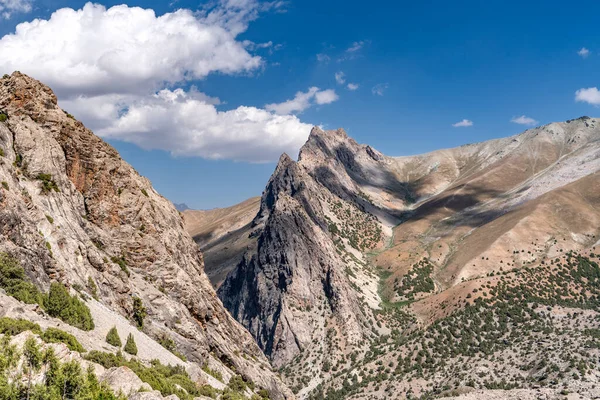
(73, 211)
(295, 292)
(354, 247)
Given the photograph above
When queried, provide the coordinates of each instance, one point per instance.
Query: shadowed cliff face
(74, 211)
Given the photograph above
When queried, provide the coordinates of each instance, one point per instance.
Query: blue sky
(420, 67)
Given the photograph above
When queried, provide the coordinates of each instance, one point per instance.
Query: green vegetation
(139, 312)
(215, 374)
(113, 338)
(169, 344)
(50, 219)
(122, 263)
(130, 346)
(61, 304)
(417, 280)
(48, 183)
(15, 283)
(166, 379)
(55, 335)
(5, 185)
(2, 152)
(93, 288)
(144, 192)
(12, 327)
(507, 325)
(61, 380)
(360, 228)
(3, 116)
(58, 303)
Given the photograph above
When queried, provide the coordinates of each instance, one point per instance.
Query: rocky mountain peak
(71, 210)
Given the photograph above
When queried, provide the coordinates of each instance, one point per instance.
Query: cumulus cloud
(523, 120)
(340, 77)
(463, 124)
(303, 100)
(379, 89)
(326, 97)
(584, 53)
(96, 50)
(589, 95)
(352, 86)
(118, 70)
(8, 7)
(189, 124)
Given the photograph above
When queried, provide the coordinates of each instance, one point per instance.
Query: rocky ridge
(73, 211)
(407, 241)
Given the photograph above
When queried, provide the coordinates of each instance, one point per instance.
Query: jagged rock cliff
(71, 210)
(297, 293)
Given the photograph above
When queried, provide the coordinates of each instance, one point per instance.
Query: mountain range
(468, 273)
(352, 254)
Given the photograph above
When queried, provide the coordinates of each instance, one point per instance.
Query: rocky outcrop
(295, 293)
(71, 210)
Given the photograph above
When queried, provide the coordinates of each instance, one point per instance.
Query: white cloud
(356, 46)
(323, 58)
(340, 77)
(187, 124)
(303, 100)
(584, 53)
(96, 50)
(110, 68)
(352, 86)
(326, 97)
(7, 7)
(523, 120)
(589, 95)
(463, 123)
(379, 89)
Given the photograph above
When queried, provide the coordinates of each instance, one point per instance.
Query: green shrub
(70, 309)
(121, 262)
(48, 183)
(14, 281)
(12, 327)
(2, 152)
(213, 373)
(107, 360)
(5, 185)
(62, 380)
(55, 335)
(165, 378)
(169, 344)
(93, 288)
(139, 312)
(112, 337)
(130, 346)
(3, 117)
(50, 219)
(144, 192)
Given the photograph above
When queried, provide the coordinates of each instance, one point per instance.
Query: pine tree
(130, 346)
(113, 337)
(33, 357)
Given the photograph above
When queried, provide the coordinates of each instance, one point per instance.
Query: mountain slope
(355, 248)
(73, 211)
(223, 235)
